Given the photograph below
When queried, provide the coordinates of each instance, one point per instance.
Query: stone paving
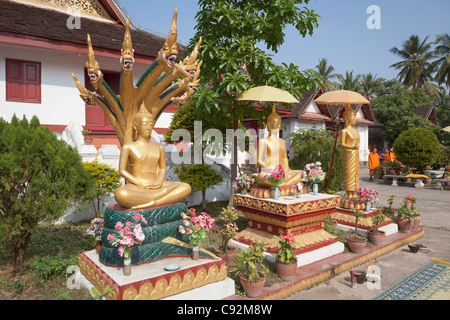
(434, 207)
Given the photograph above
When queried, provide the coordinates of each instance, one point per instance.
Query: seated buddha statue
(143, 165)
(272, 152)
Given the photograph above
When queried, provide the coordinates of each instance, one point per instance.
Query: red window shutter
(23, 81)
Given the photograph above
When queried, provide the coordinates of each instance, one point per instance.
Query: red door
(95, 116)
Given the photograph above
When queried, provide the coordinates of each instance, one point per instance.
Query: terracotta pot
(87, 141)
(416, 223)
(427, 181)
(360, 276)
(405, 225)
(98, 246)
(228, 257)
(355, 245)
(286, 271)
(377, 238)
(253, 289)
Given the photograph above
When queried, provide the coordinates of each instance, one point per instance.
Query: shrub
(312, 145)
(47, 268)
(200, 177)
(40, 176)
(107, 180)
(417, 148)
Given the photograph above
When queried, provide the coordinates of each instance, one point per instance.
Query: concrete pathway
(434, 207)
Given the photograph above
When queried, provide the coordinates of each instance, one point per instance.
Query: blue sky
(342, 36)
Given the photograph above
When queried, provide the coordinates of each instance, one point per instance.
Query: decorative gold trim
(363, 221)
(91, 8)
(328, 274)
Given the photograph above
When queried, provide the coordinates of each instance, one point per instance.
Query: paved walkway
(434, 207)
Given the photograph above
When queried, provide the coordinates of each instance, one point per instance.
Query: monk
(393, 157)
(386, 156)
(374, 161)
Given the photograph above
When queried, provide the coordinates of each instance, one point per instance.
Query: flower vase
(368, 207)
(127, 267)
(195, 253)
(244, 192)
(315, 189)
(276, 193)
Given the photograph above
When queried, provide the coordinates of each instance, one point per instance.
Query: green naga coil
(162, 222)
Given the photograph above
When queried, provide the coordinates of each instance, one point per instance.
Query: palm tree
(349, 82)
(326, 71)
(416, 67)
(369, 84)
(442, 50)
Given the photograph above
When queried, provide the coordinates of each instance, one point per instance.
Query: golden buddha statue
(146, 185)
(272, 152)
(350, 141)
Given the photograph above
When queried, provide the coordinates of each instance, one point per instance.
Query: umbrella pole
(334, 149)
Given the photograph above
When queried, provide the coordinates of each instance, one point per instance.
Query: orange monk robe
(386, 157)
(392, 156)
(374, 161)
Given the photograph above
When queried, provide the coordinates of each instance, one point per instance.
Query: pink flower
(126, 230)
(111, 237)
(121, 251)
(119, 226)
(183, 215)
(137, 217)
(181, 230)
(186, 223)
(128, 223)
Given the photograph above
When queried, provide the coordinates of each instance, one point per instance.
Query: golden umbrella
(267, 94)
(339, 97)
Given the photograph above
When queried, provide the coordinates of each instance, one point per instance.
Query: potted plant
(376, 236)
(414, 214)
(86, 133)
(428, 179)
(129, 235)
(404, 219)
(228, 231)
(196, 227)
(377, 173)
(252, 271)
(356, 241)
(285, 258)
(244, 183)
(390, 201)
(276, 176)
(95, 230)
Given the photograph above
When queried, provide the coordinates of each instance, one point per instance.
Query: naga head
(85, 94)
(93, 68)
(169, 52)
(191, 64)
(127, 57)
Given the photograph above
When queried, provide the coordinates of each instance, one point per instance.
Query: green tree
(442, 51)
(368, 85)
(200, 177)
(312, 145)
(233, 33)
(327, 73)
(394, 108)
(349, 81)
(417, 148)
(40, 176)
(107, 180)
(416, 67)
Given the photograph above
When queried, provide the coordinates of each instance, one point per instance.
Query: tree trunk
(233, 164)
(204, 199)
(19, 251)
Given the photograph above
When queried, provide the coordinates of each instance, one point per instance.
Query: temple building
(43, 42)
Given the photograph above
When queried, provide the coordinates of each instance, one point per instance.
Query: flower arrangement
(313, 173)
(243, 182)
(130, 234)
(196, 226)
(96, 228)
(286, 250)
(276, 175)
(229, 229)
(368, 194)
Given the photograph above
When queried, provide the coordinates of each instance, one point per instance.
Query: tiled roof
(48, 24)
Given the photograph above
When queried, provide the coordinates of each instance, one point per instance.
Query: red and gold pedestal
(346, 221)
(303, 217)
